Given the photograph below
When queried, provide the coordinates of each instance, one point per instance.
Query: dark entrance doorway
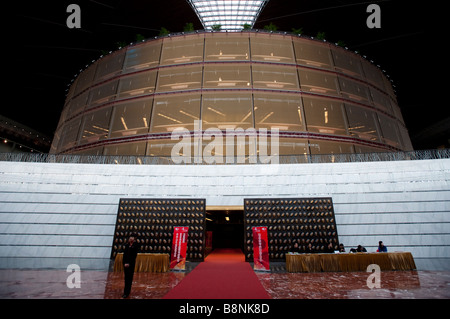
(227, 227)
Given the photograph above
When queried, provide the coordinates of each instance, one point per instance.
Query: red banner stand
(179, 246)
(260, 249)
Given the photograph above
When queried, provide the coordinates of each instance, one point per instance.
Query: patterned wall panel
(290, 221)
(153, 221)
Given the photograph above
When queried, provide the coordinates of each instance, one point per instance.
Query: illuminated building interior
(322, 98)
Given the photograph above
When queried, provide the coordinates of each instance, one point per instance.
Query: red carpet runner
(223, 275)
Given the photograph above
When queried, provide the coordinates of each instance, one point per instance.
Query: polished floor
(52, 284)
(353, 285)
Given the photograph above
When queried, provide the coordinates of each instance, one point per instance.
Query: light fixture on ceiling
(231, 15)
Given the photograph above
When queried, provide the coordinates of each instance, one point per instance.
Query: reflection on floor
(353, 285)
(42, 284)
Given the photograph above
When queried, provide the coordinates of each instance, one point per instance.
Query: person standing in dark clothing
(129, 261)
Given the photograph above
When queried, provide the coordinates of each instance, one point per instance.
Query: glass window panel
(235, 146)
(381, 100)
(63, 118)
(329, 147)
(179, 50)
(389, 131)
(69, 135)
(227, 110)
(398, 113)
(214, 148)
(179, 78)
(183, 150)
(406, 141)
(96, 151)
(137, 84)
(239, 145)
(55, 147)
(131, 118)
(175, 111)
(85, 79)
(324, 116)
(110, 65)
(78, 104)
(311, 54)
(271, 49)
(318, 82)
(281, 111)
(353, 90)
(389, 89)
(143, 56)
(95, 126)
(373, 74)
(224, 47)
(275, 77)
(293, 146)
(132, 149)
(227, 76)
(362, 123)
(103, 93)
(71, 92)
(230, 14)
(346, 62)
(162, 147)
(367, 149)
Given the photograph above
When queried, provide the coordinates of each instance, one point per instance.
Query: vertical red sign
(179, 246)
(260, 249)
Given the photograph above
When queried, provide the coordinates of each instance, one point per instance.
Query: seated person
(309, 249)
(330, 248)
(359, 249)
(341, 248)
(295, 248)
(381, 247)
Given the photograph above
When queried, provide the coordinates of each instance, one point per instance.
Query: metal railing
(281, 159)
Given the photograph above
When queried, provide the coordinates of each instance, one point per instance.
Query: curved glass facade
(322, 98)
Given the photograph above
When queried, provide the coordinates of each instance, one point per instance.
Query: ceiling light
(231, 16)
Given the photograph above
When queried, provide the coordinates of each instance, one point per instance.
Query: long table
(145, 263)
(349, 262)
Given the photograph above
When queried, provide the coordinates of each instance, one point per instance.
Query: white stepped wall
(66, 213)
